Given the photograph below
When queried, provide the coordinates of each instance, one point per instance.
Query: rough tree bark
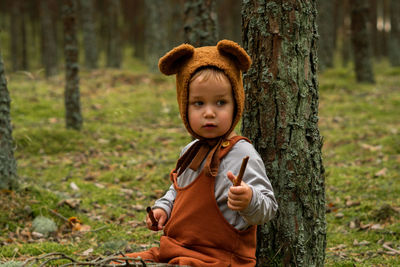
(71, 94)
(394, 41)
(281, 119)
(360, 41)
(8, 164)
(200, 22)
(89, 33)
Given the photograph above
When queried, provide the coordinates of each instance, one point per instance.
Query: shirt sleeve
(263, 204)
(167, 201)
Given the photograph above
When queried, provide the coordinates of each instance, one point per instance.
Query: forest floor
(106, 174)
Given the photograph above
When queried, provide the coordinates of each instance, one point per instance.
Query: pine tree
(72, 96)
(361, 42)
(89, 33)
(8, 164)
(156, 38)
(48, 36)
(394, 41)
(326, 29)
(200, 22)
(281, 119)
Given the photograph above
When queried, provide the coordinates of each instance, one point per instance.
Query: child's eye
(221, 102)
(197, 103)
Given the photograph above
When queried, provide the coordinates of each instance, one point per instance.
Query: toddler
(206, 220)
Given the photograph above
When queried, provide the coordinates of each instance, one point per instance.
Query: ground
(118, 164)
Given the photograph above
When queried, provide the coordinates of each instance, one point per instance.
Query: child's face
(211, 106)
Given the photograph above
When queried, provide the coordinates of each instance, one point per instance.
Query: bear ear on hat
(232, 48)
(170, 63)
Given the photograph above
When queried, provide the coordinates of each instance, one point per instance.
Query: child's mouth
(209, 126)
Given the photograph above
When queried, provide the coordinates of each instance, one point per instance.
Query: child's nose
(209, 112)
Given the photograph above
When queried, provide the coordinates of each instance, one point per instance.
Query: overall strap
(228, 144)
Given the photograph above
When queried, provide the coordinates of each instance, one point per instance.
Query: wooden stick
(239, 178)
(151, 216)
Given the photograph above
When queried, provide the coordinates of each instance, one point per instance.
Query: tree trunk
(176, 31)
(89, 33)
(49, 40)
(72, 97)
(229, 20)
(8, 164)
(113, 33)
(200, 22)
(346, 34)
(373, 21)
(281, 119)
(19, 58)
(326, 29)
(394, 41)
(156, 33)
(361, 41)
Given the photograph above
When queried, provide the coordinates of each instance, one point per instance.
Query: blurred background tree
(107, 29)
(73, 116)
(200, 22)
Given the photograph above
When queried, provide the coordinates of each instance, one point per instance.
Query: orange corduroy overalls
(197, 234)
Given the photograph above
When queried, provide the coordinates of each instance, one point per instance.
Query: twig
(238, 179)
(123, 261)
(391, 249)
(58, 215)
(151, 216)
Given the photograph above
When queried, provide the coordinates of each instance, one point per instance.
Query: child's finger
(161, 222)
(230, 176)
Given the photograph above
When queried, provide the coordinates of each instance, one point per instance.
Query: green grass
(130, 140)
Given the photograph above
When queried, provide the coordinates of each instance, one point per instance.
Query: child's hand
(239, 197)
(161, 216)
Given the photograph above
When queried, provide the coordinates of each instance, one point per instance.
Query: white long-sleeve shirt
(262, 206)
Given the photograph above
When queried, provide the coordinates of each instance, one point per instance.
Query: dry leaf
(371, 148)
(74, 186)
(338, 247)
(350, 203)
(71, 202)
(362, 243)
(339, 215)
(87, 252)
(381, 172)
(376, 227)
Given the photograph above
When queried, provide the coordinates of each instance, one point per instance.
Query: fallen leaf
(338, 247)
(350, 203)
(53, 120)
(138, 207)
(73, 186)
(371, 148)
(87, 252)
(362, 243)
(99, 185)
(376, 227)
(381, 172)
(71, 202)
(339, 215)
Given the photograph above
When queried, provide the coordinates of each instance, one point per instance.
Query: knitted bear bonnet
(185, 60)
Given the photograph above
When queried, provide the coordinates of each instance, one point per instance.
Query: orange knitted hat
(185, 60)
